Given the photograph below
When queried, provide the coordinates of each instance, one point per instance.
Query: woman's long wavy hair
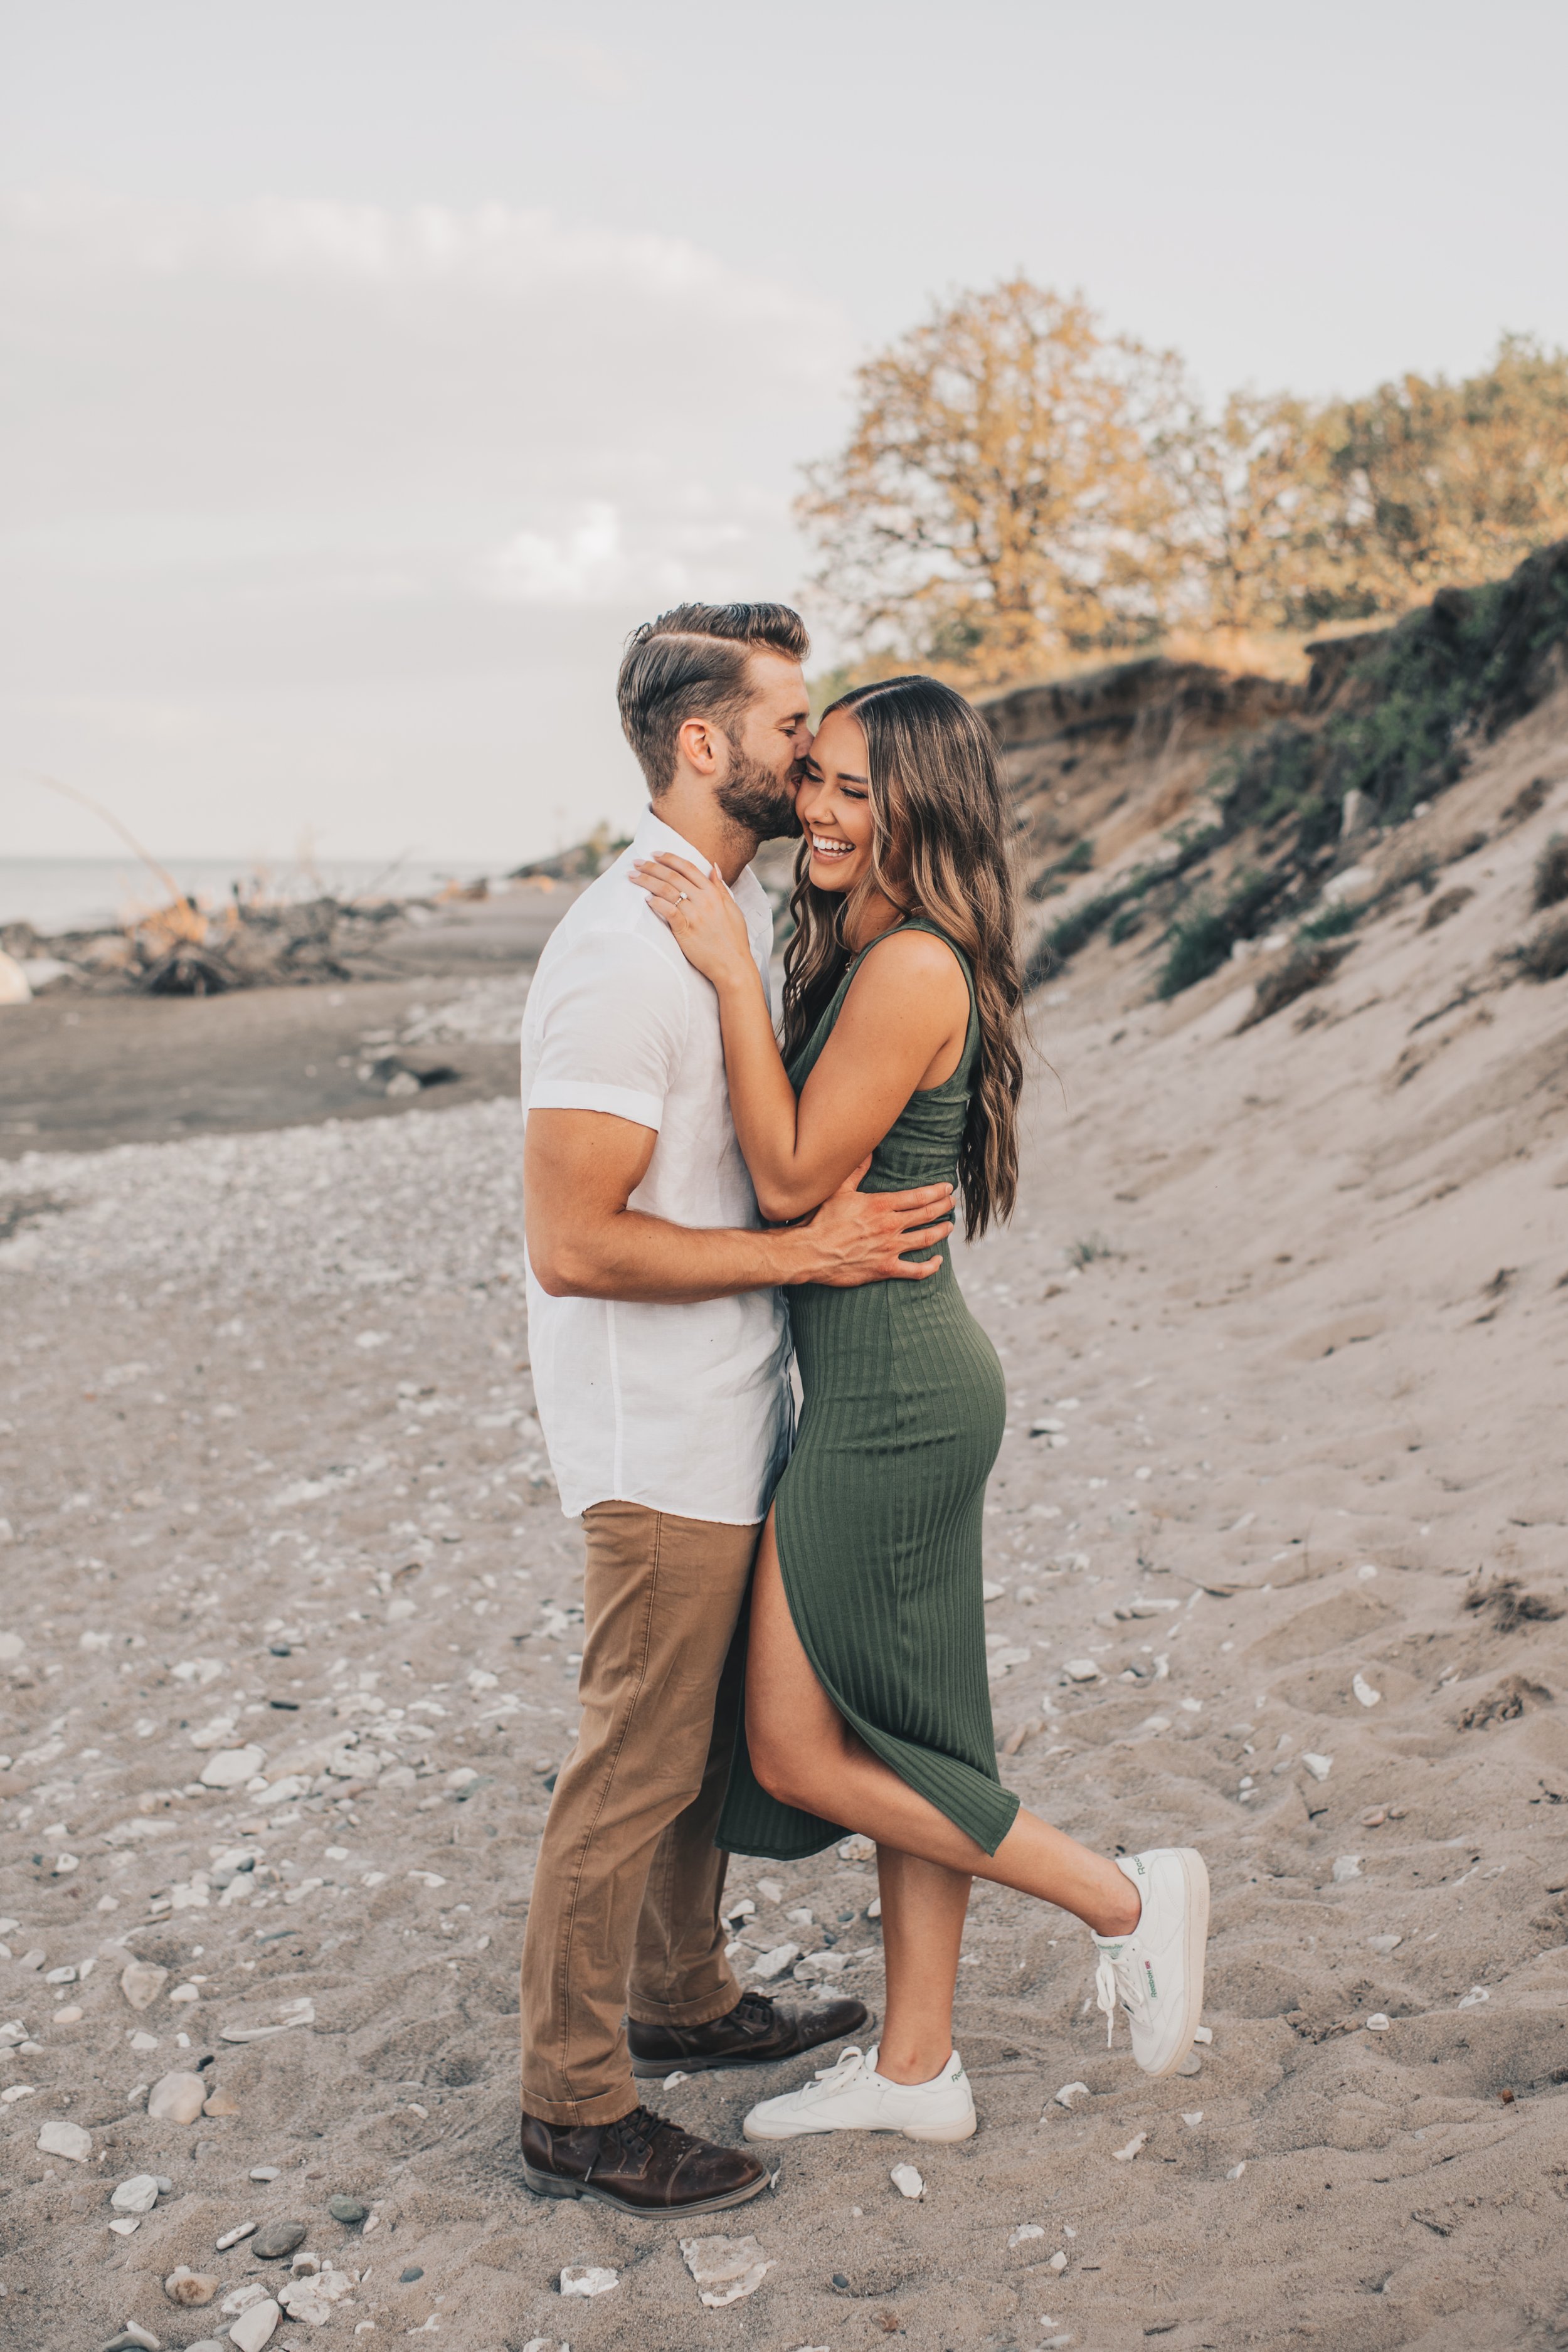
(939, 849)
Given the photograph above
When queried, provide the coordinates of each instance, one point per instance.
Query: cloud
(288, 464)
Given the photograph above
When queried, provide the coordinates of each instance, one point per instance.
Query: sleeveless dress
(877, 1516)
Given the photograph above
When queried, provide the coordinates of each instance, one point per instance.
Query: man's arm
(580, 1168)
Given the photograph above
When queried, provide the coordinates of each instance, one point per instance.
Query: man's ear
(700, 745)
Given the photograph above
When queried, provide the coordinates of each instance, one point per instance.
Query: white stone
(1237, 2171)
(1058, 2262)
(126, 2229)
(1193, 2118)
(142, 1981)
(177, 2099)
(242, 2298)
(854, 1849)
(770, 1890)
(725, 2269)
(1125, 2155)
(1377, 2022)
(1203, 2034)
(229, 1768)
(1023, 2233)
(1319, 1766)
(255, 2326)
(185, 1992)
(991, 1591)
(1384, 1943)
(1080, 1670)
(241, 2231)
(1472, 2000)
(907, 2180)
(587, 2278)
(1364, 1691)
(1069, 2092)
(190, 2288)
(769, 1965)
(137, 2195)
(64, 2139)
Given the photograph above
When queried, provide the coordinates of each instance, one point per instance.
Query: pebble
(255, 2326)
(64, 2139)
(276, 2240)
(588, 2278)
(1377, 2022)
(1023, 2233)
(1319, 1766)
(725, 2269)
(858, 1849)
(133, 2339)
(177, 2099)
(1384, 1943)
(407, 2277)
(1125, 2155)
(1364, 1691)
(1237, 2171)
(1069, 2092)
(1346, 1867)
(137, 2195)
(266, 2172)
(190, 2287)
(126, 2229)
(769, 1965)
(1193, 2118)
(1191, 2064)
(907, 2180)
(1058, 2262)
(346, 2208)
(770, 1890)
(1203, 2034)
(233, 2237)
(1080, 1670)
(1375, 1818)
(230, 1768)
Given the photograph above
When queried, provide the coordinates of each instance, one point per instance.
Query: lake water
(75, 894)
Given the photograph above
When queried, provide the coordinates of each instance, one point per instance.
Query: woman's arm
(906, 1014)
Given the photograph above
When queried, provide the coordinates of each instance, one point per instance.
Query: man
(660, 1356)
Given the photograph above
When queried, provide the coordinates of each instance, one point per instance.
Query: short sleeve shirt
(686, 1409)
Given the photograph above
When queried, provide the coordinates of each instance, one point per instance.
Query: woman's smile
(828, 848)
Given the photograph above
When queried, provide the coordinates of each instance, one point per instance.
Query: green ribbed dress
(878, 1514)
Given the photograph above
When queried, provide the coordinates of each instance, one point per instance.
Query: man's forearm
(647, 1260)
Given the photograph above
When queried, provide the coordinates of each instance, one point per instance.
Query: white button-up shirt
(684, 1409)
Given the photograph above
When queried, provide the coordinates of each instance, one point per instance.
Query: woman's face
(834, 804)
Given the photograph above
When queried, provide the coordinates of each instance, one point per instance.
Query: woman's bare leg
(805, 1753)
(923, 1905)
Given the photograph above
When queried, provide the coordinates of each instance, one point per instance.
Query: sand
(1296, 1299)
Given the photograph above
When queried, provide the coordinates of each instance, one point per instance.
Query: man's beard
(754, 796)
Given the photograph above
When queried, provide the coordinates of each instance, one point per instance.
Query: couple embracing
(783, 1641)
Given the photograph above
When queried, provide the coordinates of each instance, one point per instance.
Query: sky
(369, 369)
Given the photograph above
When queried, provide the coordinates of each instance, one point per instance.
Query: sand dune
(1297, 1299)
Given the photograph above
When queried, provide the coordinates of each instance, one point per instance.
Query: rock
(137, 2195)
(190, 2287)
(65, 2140)
(134, 2339)
(1377, 2022)
(266, 2172)
(1237, 2171)
(1319, 1766)
(1080, 1670)
(1125, 2155)
(770, 1890)
(769, 1965)
(907, 2180)
(1191, 2118)
(177, 2099)
(1374, 1818)
(185, 1992)
(1346, 1867)
(858, 1849)
(1364, 1691)
(1023, 2233)
(346, 2208)
(230, 1768)
(1191, 2064)
(1386, 1944)
(310, 2299)
(1203, 2034)
(725, 2269)
(242, 2298)
(1057, 2263)
(587, 2278)
(277, 2240)
(1069, 2092)
(407, 2277)
(255, 2326)
(222, 2102)
(233, 2237)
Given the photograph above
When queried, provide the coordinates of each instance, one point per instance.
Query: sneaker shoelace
(1116, 1974)
(846, 2069)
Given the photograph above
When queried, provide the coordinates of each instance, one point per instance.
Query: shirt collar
(653, 834)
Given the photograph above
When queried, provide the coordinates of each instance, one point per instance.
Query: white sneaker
(852, 2096)
(1157, 1972)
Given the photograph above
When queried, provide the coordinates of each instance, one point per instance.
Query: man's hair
(692, 664)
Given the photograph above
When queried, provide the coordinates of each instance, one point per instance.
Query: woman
(867, 1701)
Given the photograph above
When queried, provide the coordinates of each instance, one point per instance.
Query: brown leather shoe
(754, 2033)
(639, 2165)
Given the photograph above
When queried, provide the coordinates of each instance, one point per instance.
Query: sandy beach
(1277, 1542)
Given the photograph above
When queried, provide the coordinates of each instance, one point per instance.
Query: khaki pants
(624, 1914)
